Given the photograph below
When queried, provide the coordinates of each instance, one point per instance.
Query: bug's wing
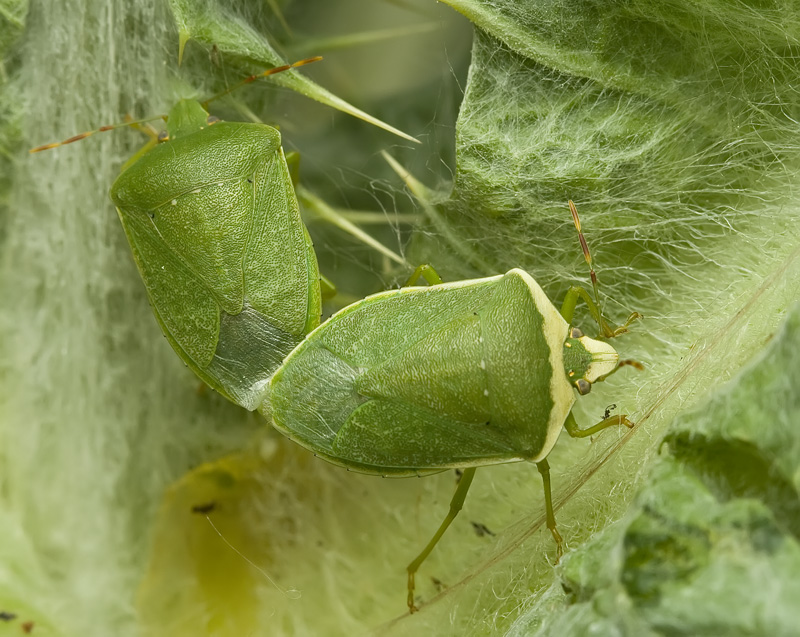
(425, 378)
(392, 437)
(281, 277)
(215, 229)
(315, 402)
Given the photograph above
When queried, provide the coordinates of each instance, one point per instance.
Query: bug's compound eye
(583, 386)
(163, 136)
(212, 119)
(575, 333)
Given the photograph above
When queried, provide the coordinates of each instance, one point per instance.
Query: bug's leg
(568, 311)
(455, 506)
(544, 469)
(573, 430)
(155, 137)
(144, 127)
(427, 272)
(138, 154)
(571, 300)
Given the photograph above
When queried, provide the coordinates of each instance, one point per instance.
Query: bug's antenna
(605, 328)
(247, 80)
(267, 73)
(586, 254)
(102, 129)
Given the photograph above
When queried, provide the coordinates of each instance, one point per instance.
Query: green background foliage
(674, 128)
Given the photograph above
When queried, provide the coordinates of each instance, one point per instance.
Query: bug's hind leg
(455, 506)
(544, 470)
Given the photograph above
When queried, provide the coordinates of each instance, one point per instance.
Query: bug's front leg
(455, 506)
(544, 468)
(568, 311)
(571, 425)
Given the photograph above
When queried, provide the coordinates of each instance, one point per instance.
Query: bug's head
(187, 117)
(587, 360)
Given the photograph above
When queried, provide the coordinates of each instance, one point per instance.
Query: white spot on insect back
(483, 364)
(486, 392)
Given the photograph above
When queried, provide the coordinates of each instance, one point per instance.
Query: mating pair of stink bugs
(403, 383)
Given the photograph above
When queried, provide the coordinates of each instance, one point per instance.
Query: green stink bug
(214, 226)
(455, 375)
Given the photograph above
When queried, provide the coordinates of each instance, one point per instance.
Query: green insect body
(215, 229)
(455, 375)
(422, 379)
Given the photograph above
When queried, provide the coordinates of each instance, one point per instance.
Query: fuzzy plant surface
(133, 502)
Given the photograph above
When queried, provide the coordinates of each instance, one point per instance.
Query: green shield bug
(214, 226)
(455, 375)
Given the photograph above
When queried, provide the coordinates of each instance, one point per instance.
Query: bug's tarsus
(624, 327)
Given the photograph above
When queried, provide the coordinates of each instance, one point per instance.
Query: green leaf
(211, 25)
